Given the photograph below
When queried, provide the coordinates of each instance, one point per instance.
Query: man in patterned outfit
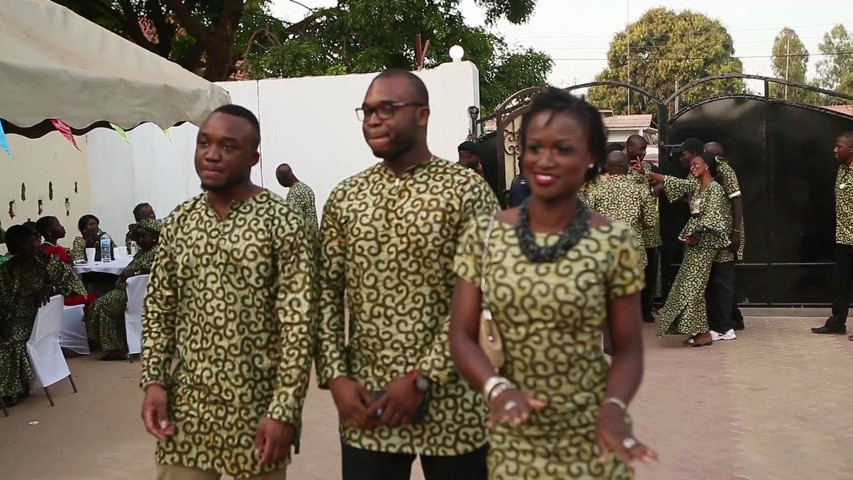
(299, 195)
(231, 303)
(635, 148)
(842, 277)
(389, 238)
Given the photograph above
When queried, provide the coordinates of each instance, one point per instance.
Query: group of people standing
(386, 302)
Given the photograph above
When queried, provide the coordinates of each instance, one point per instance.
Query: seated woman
(707, 232)
(140, 212)
(106, 319)
(27, 281)
(90, 231)
(52, 231)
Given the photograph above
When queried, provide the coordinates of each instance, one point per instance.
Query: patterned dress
(684, 310)
(232, 302)
(106, 317)
(302, 197)
(388, 246)
(550, 316)
(19, 296)
(622, 198)
(844, 205)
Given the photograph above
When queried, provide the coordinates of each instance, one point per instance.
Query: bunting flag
(121, 132)
(166, 133)
(4, 144)
(65, 130)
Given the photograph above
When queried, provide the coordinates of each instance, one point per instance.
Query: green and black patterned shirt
(231, 302)
(302, 197)
(844, 205)
(651, 233)
(621, 198)
(388, 247)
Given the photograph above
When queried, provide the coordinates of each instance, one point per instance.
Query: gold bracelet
(615, 401)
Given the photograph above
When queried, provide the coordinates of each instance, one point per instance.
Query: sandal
(691, 340)
(697, 343)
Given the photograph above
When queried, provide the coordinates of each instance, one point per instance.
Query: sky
(577, 33)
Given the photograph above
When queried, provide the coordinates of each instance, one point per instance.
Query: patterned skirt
(106, 320)
(684, 311)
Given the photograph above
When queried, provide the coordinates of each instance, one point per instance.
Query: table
(115, 267)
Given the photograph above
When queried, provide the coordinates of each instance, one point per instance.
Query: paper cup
(90, 255)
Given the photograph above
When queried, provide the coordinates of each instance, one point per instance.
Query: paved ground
(774, 404)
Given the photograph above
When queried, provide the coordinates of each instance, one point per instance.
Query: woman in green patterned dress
(551, 273)
(705, 234)
(106, 318)
(27, 281)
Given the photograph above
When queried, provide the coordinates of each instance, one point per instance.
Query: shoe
(830, 329)
(740, 326)
(729, 335)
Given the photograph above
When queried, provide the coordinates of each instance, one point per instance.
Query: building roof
(628, 121)
(845, 109)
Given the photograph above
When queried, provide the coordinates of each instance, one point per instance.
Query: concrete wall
(307, 122)
(38, 164)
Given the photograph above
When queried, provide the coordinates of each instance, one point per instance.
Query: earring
(591, 166)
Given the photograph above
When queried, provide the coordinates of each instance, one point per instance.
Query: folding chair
(43, 347)
(136, 287)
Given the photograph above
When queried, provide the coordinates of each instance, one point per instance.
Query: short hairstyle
(637, 138)
(556, 101)
(693, 145)
(848, 135)
(711, 162)
(614, 147)
(44, 223)
(81, 224)
(32, 226)
(137, 210)
(244, 113)
(18, 235)
(418, 86)
(470, 147)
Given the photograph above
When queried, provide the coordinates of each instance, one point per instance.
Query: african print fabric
(232, 302)
(651, 233)
(551, 317)
(622, 198)
(844, 205)
(302, 197)
(388, 246)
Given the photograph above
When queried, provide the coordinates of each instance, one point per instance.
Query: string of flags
(4, 144)
(65, 130)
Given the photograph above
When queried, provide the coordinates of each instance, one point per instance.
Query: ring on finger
(629, 443)
(510, 405)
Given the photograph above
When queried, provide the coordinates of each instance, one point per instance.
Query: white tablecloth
(115, 267)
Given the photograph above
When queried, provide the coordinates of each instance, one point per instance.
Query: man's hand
(400, 402)
(352, 401)
(155, 412)
(273, 440)
(735, 239)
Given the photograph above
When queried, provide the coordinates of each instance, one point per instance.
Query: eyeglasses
(384, 110)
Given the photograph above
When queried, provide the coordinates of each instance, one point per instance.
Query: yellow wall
(36, 163)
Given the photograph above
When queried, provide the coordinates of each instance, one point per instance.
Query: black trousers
(361, 464)
(651, 274)
(720, 297)
(842, 282)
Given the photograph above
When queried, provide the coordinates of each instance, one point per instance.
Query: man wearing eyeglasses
(390, 234)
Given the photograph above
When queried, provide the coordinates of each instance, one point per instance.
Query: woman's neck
(552, 216)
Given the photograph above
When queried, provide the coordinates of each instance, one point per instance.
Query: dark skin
(147, 212)
(284, 175)
(556, 159)
(716, 149)
(843, 152)
(226, 151)
(617, 163)
(91, 232)
(469, 160)
(400, 142)
(55, 232)
(635, 149)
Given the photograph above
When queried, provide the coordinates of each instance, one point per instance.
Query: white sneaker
(729, 335)
(715, 336)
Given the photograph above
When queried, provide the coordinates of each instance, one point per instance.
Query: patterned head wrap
(146, 225)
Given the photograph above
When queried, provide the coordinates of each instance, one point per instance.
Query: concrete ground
(774, 404)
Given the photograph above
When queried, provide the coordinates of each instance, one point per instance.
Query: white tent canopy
(56, 64)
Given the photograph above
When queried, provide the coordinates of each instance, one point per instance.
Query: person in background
(32, 226)
(470, 156)
(90, 237)
(723, 315)
(842, 275)
(706, 233)
(52, 231)
(621, 198)
(141, 211)
(27, 281)
(635, 148)
(519, 189)
(228, 330)
(554, 273)
(389, 236)
(106, 316)
(300, 195)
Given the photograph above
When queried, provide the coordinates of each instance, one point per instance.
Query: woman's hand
(513, 406)
(613, 435)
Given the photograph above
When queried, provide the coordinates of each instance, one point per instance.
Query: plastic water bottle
(106, 248)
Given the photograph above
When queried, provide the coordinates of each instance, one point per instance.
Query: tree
(667, 49)
(790, 61)
(835, 69)
(221, 38)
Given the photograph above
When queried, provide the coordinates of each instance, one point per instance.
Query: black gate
(782, 154)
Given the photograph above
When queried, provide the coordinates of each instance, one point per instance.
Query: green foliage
(667, 49)
(835, 69)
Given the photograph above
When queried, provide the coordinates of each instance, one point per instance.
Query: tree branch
(303, 25)
(134, 29)
(310, 9)
(189, 22)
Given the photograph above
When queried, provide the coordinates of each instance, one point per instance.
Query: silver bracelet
(491, 384)
(615, 401)
(499, 389)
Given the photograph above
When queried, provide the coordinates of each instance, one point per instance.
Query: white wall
(307, 122)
